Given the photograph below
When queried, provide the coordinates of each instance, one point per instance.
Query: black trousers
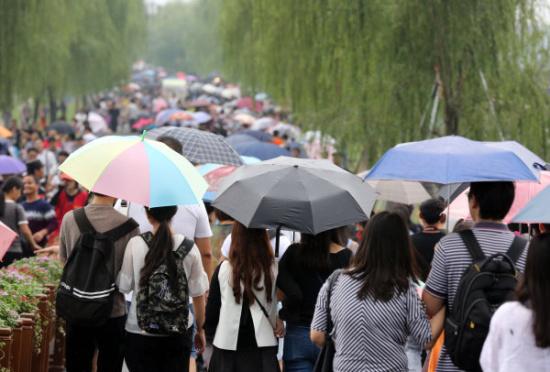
(158, 354)
(82, 342)
(9, 258)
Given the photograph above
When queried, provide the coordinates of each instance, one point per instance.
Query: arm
(206, 254)
(436, 324)
(26, 231)
(319, 324)
(285, 280)
(125, 279)
(435, 292)
(200, 339)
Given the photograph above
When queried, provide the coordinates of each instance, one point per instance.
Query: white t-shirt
(190, 220)
(284, 243)
(134, 260)
(510, 345)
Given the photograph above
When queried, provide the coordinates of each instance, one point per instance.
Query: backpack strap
(84, 224)
(121, 230)
(147, 237)
(472, 245)
(185, 247)
(516, 249)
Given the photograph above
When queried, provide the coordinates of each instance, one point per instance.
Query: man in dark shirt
(433, 219)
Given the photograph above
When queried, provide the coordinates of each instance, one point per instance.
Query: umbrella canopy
(305, 195)
(451, 160)
(172, 116)
(7, 236)
(263, 123)
(61, 127)
(11, 165)
(143, 123)
(525, 192)
(238, 138)
(405, 192)
(258, 134)
(245, 119)
(536, 211)
(136, 169)
(261, 150)
(201, 117)
(200, 147)
(97, 122)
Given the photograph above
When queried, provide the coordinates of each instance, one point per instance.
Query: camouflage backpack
(159, 309)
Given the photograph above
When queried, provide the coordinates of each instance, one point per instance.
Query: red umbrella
(215, 177)
(142, 123)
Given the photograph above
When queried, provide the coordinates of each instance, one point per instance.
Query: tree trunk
(36, 110)
(53, 105)
(451, 119)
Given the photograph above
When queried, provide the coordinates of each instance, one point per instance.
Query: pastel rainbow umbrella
(136, 169)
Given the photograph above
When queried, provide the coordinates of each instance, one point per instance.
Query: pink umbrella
(142, 123)
(7, 236)
(525, 191)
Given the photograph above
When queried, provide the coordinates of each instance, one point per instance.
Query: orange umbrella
(5, 132)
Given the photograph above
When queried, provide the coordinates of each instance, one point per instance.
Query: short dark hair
(222, 216)
(431, 209)
(32, 149)
(171, 142)
(33, 166)
(494, 198)
(12, 183)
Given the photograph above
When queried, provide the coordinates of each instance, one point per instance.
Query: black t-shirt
(301, 285)
(424, 243)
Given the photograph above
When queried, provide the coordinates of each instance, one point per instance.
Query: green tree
(376, 73)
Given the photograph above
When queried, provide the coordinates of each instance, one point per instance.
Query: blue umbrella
(261, 150)
(452, 160)
(258, 134)
(236, 139)
(536, 211)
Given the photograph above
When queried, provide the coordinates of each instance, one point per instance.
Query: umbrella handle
(277, 240)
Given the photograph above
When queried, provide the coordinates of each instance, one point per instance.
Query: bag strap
(516, 249)
(84, 224)
(331, 281)
(185, 247)
(121, 230)
(472, 245)
(263, 310)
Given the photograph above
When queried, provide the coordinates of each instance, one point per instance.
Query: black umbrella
(62, 127)
(310, 196)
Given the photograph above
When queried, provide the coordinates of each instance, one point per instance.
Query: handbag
(326, 356)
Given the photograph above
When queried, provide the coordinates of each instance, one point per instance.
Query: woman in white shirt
(162, 352)
(241, 314)
(519, 336)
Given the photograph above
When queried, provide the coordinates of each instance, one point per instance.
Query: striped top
(452, 258)
(370, 335)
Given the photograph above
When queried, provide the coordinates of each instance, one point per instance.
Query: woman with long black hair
(374, 305)
(13, 216)
(241, 314)
(519, 336)
(162, 351)
(302, 271)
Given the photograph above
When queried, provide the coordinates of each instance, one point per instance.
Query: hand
(39, 235)
(279, 329)
(200, 341)
(51, 251)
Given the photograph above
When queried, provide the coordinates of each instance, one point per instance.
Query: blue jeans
(299, 353)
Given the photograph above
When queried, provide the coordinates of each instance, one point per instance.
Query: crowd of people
(195, 289)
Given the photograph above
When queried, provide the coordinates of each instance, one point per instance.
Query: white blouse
(510, 345)
(134, 260)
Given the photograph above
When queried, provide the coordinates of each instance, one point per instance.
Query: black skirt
(262, 359)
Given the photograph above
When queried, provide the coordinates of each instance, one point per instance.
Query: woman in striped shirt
(374, 305)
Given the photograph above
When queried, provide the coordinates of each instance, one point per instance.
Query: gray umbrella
(200, 147)
(305, 195)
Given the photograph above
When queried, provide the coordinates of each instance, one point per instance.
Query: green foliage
(364, 70)
(184, 36)
(66, 46)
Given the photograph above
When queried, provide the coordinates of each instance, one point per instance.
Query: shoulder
(511, 312)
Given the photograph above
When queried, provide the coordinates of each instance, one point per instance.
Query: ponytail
(160, 248)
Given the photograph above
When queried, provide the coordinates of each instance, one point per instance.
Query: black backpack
(87, 288)
(484, 286)
(160, 310)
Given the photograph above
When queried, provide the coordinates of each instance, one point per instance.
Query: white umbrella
(263, 123)
(405, 192)
(97, 123)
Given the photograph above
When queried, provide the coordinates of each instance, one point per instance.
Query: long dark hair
(534, 289)
(8, 185)
(314, 250)
(160, 247)
(251, 259)
(384, 262)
